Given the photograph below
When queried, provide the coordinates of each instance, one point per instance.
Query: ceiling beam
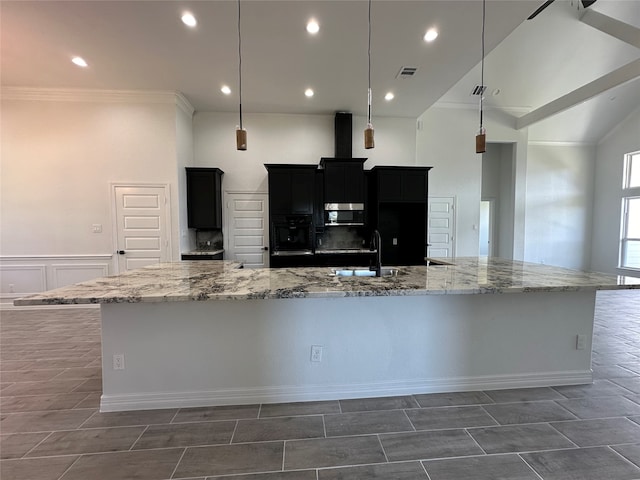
(620, 30)
(619, 76)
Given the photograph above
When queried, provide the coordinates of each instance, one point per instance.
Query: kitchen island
(210, 333)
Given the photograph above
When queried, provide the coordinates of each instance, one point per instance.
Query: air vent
(478, 90)
(407, 72)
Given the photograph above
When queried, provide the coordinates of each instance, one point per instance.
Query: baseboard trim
(246, 396)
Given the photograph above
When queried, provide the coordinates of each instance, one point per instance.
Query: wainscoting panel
(73, 273)
(22, 279)
(25, 275)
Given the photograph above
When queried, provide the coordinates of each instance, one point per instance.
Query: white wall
(184, 158)
(625, 138)
(60, 153)
(281, 138)
(446, 141)
(560, 183)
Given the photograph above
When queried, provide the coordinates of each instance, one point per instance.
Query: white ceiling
(143, 45)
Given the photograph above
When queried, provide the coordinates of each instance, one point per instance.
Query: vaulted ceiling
(143, 45)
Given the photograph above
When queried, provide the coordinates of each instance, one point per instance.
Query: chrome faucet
(377, 244)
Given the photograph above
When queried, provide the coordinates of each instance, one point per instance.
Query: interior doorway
(247, 228)
(487, 218)
(142, 222)
(497, 206)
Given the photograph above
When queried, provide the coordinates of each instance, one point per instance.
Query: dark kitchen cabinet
(401, 184)
(318, 208)
(398, 210)
(343, 180)
(291, 189)
(204, 198)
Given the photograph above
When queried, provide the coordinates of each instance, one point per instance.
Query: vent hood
(343, 135)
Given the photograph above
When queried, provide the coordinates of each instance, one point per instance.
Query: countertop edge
(267, 295)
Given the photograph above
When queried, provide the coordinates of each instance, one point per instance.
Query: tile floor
(50, 427)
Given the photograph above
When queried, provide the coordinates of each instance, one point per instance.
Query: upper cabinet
(401, 184)
(343, 180)
(292, 188)
(204, 198)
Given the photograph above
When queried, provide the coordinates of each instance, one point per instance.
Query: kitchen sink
(363, 272)
(434, 262)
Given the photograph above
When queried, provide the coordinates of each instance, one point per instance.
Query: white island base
(202, 353)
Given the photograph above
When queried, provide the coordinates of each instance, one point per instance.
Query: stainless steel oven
(292, 234)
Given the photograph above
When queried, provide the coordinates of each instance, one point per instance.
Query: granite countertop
(224, 280)
(204, 252)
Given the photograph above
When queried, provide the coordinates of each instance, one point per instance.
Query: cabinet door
(334, 184)
(291, 191)
(414, 186)
(303, 186)
(389, 186)
(344, 182)
(353, 183)
(318, 207)
(279, 192)
(203, 199)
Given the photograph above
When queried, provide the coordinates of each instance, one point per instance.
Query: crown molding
(184, 104)
(474, 106)
(545, 143)
(99, 96)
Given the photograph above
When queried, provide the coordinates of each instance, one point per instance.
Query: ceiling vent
(407, 72)
(478, 90)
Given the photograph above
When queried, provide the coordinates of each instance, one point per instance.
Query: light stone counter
(428, 329)
(224, 280)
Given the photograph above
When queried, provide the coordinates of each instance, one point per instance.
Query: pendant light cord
(369, 57)
(239, 65)
(482, 87)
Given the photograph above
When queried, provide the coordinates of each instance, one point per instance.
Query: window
(631, 171)
(630, 238)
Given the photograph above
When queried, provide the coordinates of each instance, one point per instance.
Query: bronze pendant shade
(241, 139)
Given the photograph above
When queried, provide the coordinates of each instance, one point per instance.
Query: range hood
(343, 177)
(343, 135)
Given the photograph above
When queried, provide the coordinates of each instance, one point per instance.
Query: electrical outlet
(394, 241)
(118, 361)
(316, 353)
(581, 342)
(97, 228)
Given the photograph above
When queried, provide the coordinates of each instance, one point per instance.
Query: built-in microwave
(347, 214)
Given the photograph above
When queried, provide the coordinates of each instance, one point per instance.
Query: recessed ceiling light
(225, 89)
(313, 27)
(79, 61)
(309, 92)
(389, 96)
(189, 20)
(431, 35)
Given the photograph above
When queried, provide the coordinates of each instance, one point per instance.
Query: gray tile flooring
(50, 427)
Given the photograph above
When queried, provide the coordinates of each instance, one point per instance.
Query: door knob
(265, 248)
(120, 252)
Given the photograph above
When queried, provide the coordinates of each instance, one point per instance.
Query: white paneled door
(441, 227)
(141, 226)
(247, 221)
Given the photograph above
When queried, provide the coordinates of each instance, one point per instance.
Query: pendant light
(241, 133)
(481, 137)
(368, 132)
